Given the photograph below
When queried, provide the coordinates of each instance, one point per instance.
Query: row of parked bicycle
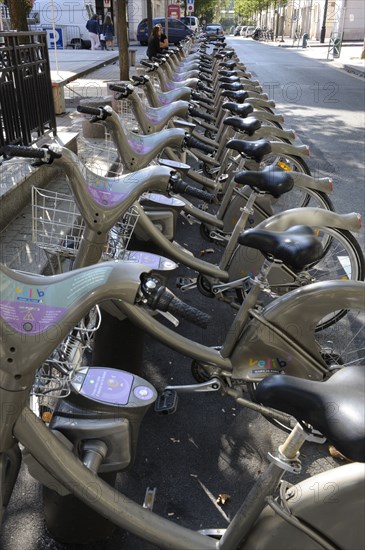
(293, 279)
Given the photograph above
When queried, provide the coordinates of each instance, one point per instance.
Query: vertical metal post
(323, 29)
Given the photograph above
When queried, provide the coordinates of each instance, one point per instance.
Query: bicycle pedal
(166, 402)
(184, 281)
(149, 499)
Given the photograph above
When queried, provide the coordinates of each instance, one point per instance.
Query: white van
(191, 22)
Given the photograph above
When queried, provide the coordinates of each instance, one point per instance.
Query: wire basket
(53, 378)
(120, 235)
(57, 225)
(125, 111)
(100, 156)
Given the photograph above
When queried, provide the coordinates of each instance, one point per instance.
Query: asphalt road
(210, 446)
(323, 104)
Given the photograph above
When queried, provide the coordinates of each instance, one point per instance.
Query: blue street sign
(54, 40)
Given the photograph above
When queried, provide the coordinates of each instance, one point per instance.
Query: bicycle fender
(320, 502)
(314, 217)
(309, 182)
(265, 115)
(257, 102)
(271, 131)
(281, 338)
(280, 148)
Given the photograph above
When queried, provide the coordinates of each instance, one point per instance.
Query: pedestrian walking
(93, 27)
(108, 32)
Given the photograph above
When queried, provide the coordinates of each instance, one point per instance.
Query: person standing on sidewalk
(93, 27)
(108, 31)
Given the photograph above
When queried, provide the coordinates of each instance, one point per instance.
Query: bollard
(337, 47)
(94, 130)
(132, 58)
(305, 40)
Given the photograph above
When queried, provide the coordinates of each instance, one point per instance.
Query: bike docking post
(100, 421)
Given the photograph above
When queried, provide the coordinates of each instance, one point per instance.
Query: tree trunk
(122, 34)
(149, 17)
(18, 15)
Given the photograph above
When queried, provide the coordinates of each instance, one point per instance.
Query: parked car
(243, 30)
(214, 31)
(191, 22)
(237, 30)
(250, 30)
(177, 30)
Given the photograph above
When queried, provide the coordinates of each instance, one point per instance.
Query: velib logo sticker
(272, 365)
(29, 294)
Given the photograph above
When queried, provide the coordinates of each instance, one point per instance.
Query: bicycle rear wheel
(340, 344)
(300, 197)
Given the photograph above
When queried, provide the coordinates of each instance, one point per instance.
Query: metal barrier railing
(26, 100)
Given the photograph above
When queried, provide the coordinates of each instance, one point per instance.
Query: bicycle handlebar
(205, 116)
(99, 113)
(180, 186)
(169, 302)
(42, 153)
(195, 143)
(138, 79)
(161, 298)
(122, 88)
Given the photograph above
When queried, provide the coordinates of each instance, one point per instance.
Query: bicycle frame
(62, 468)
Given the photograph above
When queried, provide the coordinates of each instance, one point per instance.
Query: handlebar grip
(195, 143)
(180, 186)
(205, 116)
(199, 194)
(167, 301)
(146, 63)
(204, 88)
(201, 97)
(205, 78)
(117, 88)
(89, 110)
(137, 79)
(23, 151)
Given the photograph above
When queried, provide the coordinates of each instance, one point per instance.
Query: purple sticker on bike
(29, 318)
(105, 197)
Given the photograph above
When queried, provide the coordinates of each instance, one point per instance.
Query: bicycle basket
(120, 235)
(57, 225)
(53, 378)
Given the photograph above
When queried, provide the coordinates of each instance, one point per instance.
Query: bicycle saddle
(235, 86)
(236, 107)
(336, 407)
(253, 149)
(297, 247)
(229, 79)
(228, 64)
(225, 72)
(271, 181)
(247, 125)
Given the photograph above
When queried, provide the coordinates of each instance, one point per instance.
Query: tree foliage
(18, 11)
(246, 9)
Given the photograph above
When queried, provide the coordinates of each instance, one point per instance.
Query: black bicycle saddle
(336, 407)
